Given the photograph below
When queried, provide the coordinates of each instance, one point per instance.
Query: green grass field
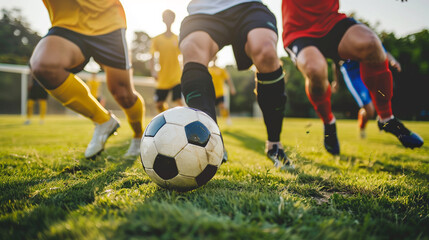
(375, 190)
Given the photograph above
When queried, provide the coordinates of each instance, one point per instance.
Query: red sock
(322, 104)
(378, 80)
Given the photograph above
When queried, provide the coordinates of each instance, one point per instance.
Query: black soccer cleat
(278, 157)
(405, 136)
(225, 153)
(331, 140)
(225, 156)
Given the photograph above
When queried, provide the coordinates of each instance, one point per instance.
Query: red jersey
(309, 18)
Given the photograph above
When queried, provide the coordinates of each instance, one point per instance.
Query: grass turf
(376, 189)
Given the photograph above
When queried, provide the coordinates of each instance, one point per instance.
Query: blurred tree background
(411, 86)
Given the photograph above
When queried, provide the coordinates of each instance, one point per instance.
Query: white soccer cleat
(101, 133)
(134, 149)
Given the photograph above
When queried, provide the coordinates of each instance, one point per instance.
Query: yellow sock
(42, 108)
(161, 108)
(224, 113)
(30, 105)
(135, 116)
(164, 106)
(74, 94)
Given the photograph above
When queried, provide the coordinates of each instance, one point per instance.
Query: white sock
(269, 145)
(385, 120)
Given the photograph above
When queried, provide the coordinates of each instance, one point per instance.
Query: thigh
(58, 52)
(356, 41)
(254, 30)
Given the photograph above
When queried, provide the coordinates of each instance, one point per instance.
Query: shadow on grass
(247, 140)
(401, 157)
(397, 170)
(43, 208)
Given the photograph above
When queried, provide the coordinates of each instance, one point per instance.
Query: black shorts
(37, 92)
(328, 44)
(231, 26)
(108, 49)
(161, 94)
(219, 100)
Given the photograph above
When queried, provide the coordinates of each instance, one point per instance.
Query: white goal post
(25, 71)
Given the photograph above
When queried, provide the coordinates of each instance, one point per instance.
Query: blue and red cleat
(405, 136)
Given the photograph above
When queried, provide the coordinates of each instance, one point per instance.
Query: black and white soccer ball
(181, 149)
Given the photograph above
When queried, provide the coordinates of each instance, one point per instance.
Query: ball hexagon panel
(197, 133)
(148, 152)
(192, 160)
(182, 183)
(206, 175)
(154, 125)
(180, 115)
(214, 149)
(165, 167)
(208, 122)
(152, 174)
(170, 139)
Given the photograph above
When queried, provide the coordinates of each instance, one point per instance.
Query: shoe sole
(110, 134)
(405, 144)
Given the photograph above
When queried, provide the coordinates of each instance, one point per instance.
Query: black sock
(198, 89)
(272, 100)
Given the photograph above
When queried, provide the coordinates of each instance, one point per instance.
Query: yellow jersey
(88, 17)
(168, 49)
(219, 75)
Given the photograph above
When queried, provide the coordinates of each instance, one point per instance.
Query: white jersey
(213, 6)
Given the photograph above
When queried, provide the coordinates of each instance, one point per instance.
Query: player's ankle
(385, 120)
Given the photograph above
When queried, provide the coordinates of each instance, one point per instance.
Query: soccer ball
(181, 149)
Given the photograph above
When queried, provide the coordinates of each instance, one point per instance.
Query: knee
(44, 71)
(125, 98)
(371, 49)
(316, 71)
(195, 51)
(265, 57)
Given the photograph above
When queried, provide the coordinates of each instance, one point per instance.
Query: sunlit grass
(375, 190)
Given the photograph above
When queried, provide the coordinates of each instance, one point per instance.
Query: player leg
(311, 62)
(351, 74)
(261, 48)
(49, 61)
(177, 95)
(30, 106)
(120, 85)
(220, 104)
(198, 48)
(161, 96)
(362, 44)
(42, 109)
(365, 113)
